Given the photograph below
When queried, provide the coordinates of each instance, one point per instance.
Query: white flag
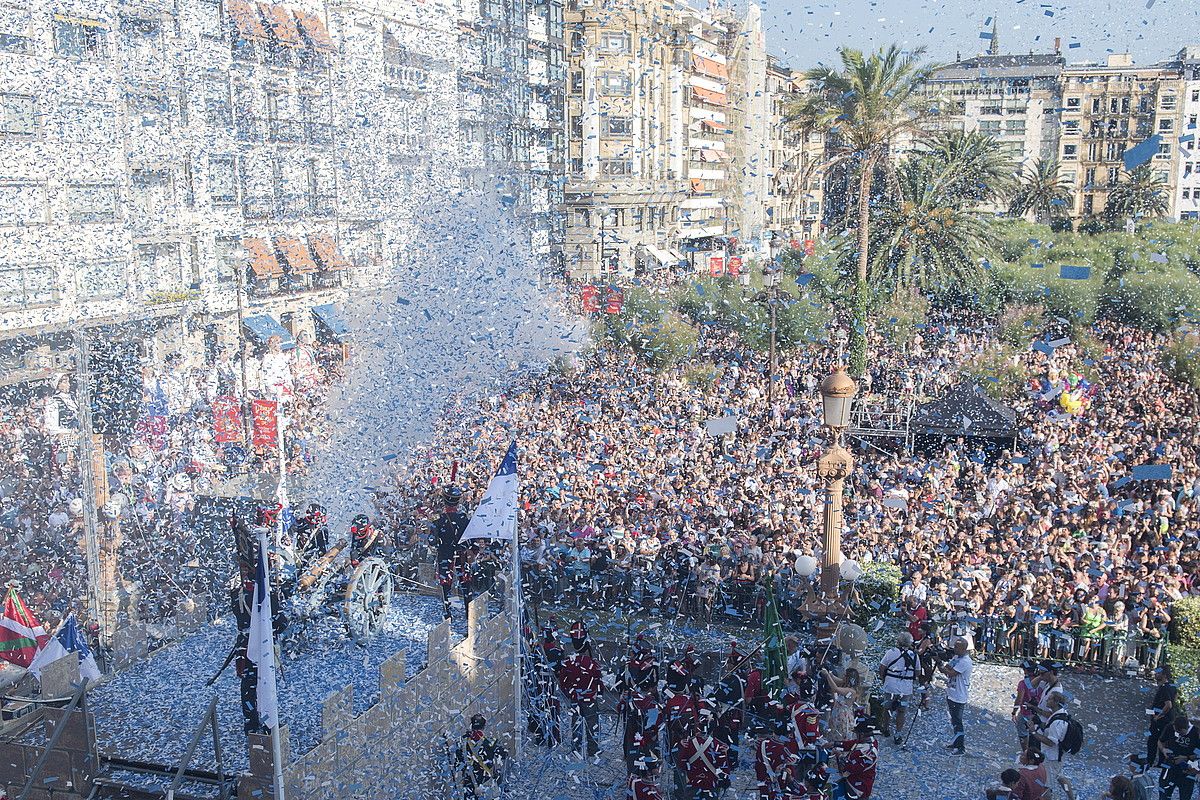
(66, 640)
(496, 517)
(260, 648)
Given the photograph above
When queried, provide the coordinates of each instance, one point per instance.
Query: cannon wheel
(368, 595)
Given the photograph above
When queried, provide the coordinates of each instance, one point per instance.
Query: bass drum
(367, 599)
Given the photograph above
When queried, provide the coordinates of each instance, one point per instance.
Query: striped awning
(706, 66)
(709, 96)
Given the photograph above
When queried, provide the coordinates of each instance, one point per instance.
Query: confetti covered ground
(1111, 711)
(148, 712)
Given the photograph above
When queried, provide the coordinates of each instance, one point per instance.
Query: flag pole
(281, 488)
(277, 760)
(517, 625)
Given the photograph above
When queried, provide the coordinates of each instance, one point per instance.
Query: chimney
(1057, 44)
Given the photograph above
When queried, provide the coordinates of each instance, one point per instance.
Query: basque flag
(21, 635)
(496, 517)
(66, 640)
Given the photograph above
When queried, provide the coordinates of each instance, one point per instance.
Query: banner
(716, 265)
(615, 301)
(810, 247)
(227, 419)
(735, 266)
(590, 295)
(264, 414)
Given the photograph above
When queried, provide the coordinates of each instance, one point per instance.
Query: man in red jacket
(581, 681)
(858, 761)
(775, 754)
(643, 780)
(704, 762)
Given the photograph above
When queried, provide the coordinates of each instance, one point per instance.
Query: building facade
(1187, 200)
(795, 193)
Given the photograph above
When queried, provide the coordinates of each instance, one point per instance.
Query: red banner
(615, 301)
(810, 247)
(264, 414)
(795, 243)
(735, 266)
(716, 265)
(590, 295)
(227, 419)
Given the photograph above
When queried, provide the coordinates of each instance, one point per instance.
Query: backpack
(1072, 741)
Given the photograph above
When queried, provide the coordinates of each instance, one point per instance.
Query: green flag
(775, 672)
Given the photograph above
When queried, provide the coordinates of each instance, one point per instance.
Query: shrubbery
(1181, 359)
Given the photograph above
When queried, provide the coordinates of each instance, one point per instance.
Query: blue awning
(333, 322)
(264, 326)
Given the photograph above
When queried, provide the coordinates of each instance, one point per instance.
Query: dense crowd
(159, 542)
(1051, 546)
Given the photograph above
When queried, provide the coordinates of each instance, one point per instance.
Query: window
(619, 126)
(1167, 102)
(211, 19)
(18, 115)
(1069, 176)
(1014, 127)
(1162, 176)
(28, 285)
(316, 120)
(23, 203)
(222, 180)
(1096, 105)
(92, 202)
(1114, 105)
(141, 39)
(1114, 176)
(1113, 151)
(1093, 151)
(81, 120)
(577, 41)
(257, 185)
(15, 24)
(160, 268)
(616, 166)
(322, 191)
(1124, 105)
(228, 256)
(990, 111)
(1089, 177)
(1192, 121)
(614, 41)
(218, 110)
(1164, 148)
(1166, 125)
(576, 166)
(1089, 204)
(1071, 127)
(614, 83)
(281, 115)
(79, 38)
(989, 127)
(1073, 103)
(153, 192)
(149, 110)
(576, 82)
(97, 280)
(1187, 194)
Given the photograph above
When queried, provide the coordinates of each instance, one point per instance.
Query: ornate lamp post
(834, 466)
(770, 295)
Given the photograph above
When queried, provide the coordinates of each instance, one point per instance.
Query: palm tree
(928, 237)
(1141, 194)
(866, 107)
(1044, 190)
(969, 168)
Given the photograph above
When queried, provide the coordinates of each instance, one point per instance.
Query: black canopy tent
(966, 411)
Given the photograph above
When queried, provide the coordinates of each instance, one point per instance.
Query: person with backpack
(898, 668)
(1061, 735)
(1177, 748)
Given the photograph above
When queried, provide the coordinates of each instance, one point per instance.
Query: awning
(245, 18)
(296, 255)
(326, 251)
(696, 184)
(315, 31)
(262, 259)
(710, 155)
(264, 326)
(83, 22)
(677, 256)
(709, 67)
(282, 24)
(661, 256)
(709, 96)
(332, 323)
(713, 127)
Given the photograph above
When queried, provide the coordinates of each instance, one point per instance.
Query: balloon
(806, 566)
(852, 638)
(851, 571)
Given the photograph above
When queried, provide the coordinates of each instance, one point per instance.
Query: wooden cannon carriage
(364, 599)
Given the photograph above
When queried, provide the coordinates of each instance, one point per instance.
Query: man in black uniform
(311, 537)
(447, 530)
(480, 760)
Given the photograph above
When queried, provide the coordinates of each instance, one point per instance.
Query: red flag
(264, 415)
(21, 636)
(735, 266)
(227, 419)
(590, 295)
(616, 301)
(810, 247)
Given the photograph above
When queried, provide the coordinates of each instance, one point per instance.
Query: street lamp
(606, 217)
(771, 285)
(834, 466)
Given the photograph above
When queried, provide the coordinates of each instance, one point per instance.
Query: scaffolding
(879, 416)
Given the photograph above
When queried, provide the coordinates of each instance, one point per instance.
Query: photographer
(958, 685)
(898, 668)
(1177, 747)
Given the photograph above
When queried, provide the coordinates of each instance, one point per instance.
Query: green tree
(1042, 190)
(967, 167)
(865, 107)
(1141, 194)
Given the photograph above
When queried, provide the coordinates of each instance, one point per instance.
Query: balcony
(288, 131)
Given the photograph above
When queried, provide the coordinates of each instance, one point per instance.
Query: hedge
(878, 591)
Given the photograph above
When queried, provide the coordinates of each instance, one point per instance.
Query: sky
(804, 33)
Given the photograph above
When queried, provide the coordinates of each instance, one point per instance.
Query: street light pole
(834, 466)
(771, 285)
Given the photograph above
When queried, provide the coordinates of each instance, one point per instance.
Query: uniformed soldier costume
(857, 762)
(364, 538)
(448, 529)
(311, 536)
(643, 780)
(581, 681)
(480, 760)
(730, 696)
(703, 763)
(775, 756)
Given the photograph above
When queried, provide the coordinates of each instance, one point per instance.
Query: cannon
(362, 591)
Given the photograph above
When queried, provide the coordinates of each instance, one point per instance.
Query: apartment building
(794, 196)
(1013, 98)
(154, 161)
(547, 121)
(1187, 190)
(1109, 108)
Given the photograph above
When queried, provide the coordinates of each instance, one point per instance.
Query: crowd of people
(159, 542)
